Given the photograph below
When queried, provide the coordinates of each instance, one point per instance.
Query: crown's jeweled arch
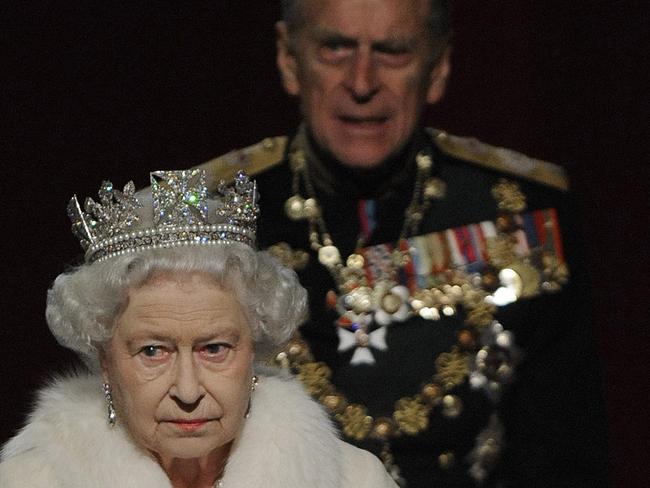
(177, 210)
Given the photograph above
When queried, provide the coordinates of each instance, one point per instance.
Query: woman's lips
(189, 425)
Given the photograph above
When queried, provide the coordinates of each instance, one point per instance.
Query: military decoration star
(362, 308)
(353, 332)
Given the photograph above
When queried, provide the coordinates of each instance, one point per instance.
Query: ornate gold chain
(459, 289)
(411, 414)
(298, 208)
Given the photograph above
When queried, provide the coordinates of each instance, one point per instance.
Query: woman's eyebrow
(215, 330)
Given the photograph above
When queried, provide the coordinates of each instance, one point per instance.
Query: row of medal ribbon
(463, 247)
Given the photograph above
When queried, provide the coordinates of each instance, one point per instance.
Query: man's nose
(362, 80)
(187, 388)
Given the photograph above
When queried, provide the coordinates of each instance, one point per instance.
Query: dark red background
(98, 90)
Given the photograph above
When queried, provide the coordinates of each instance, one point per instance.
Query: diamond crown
(177, 210)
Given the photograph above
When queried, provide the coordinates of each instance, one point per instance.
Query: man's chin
(362, 155)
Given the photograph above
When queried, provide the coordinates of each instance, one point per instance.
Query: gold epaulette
(252, 159)
(501, 159)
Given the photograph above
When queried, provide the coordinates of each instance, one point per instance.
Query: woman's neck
(196, 472)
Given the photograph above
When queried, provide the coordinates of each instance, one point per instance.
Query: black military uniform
(422, 395)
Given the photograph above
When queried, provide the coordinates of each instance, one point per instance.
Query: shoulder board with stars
(252, 159)
(501, 159)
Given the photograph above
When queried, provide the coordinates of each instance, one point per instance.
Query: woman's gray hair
(83, 304)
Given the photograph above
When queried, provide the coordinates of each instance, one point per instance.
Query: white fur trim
(288, 442)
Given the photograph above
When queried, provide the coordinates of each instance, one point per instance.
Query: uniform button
(384, 428)
(268, 143)
(423, 160)
(466, 339)
(431, 392)
(452, 406)
(435, 188)
(446, 460)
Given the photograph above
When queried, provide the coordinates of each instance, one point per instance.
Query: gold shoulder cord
(501, 159)
(252, 159)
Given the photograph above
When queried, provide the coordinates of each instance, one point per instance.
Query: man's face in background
(364, 71)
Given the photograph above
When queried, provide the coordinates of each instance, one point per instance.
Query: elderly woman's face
(180, 366)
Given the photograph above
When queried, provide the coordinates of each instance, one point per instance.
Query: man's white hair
(438, 21)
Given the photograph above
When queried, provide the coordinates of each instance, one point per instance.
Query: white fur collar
(285, 442)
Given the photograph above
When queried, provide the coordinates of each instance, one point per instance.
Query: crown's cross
(179, 197)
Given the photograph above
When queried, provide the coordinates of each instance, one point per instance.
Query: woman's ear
(286, 60)
(103, 364)
(438, 78)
